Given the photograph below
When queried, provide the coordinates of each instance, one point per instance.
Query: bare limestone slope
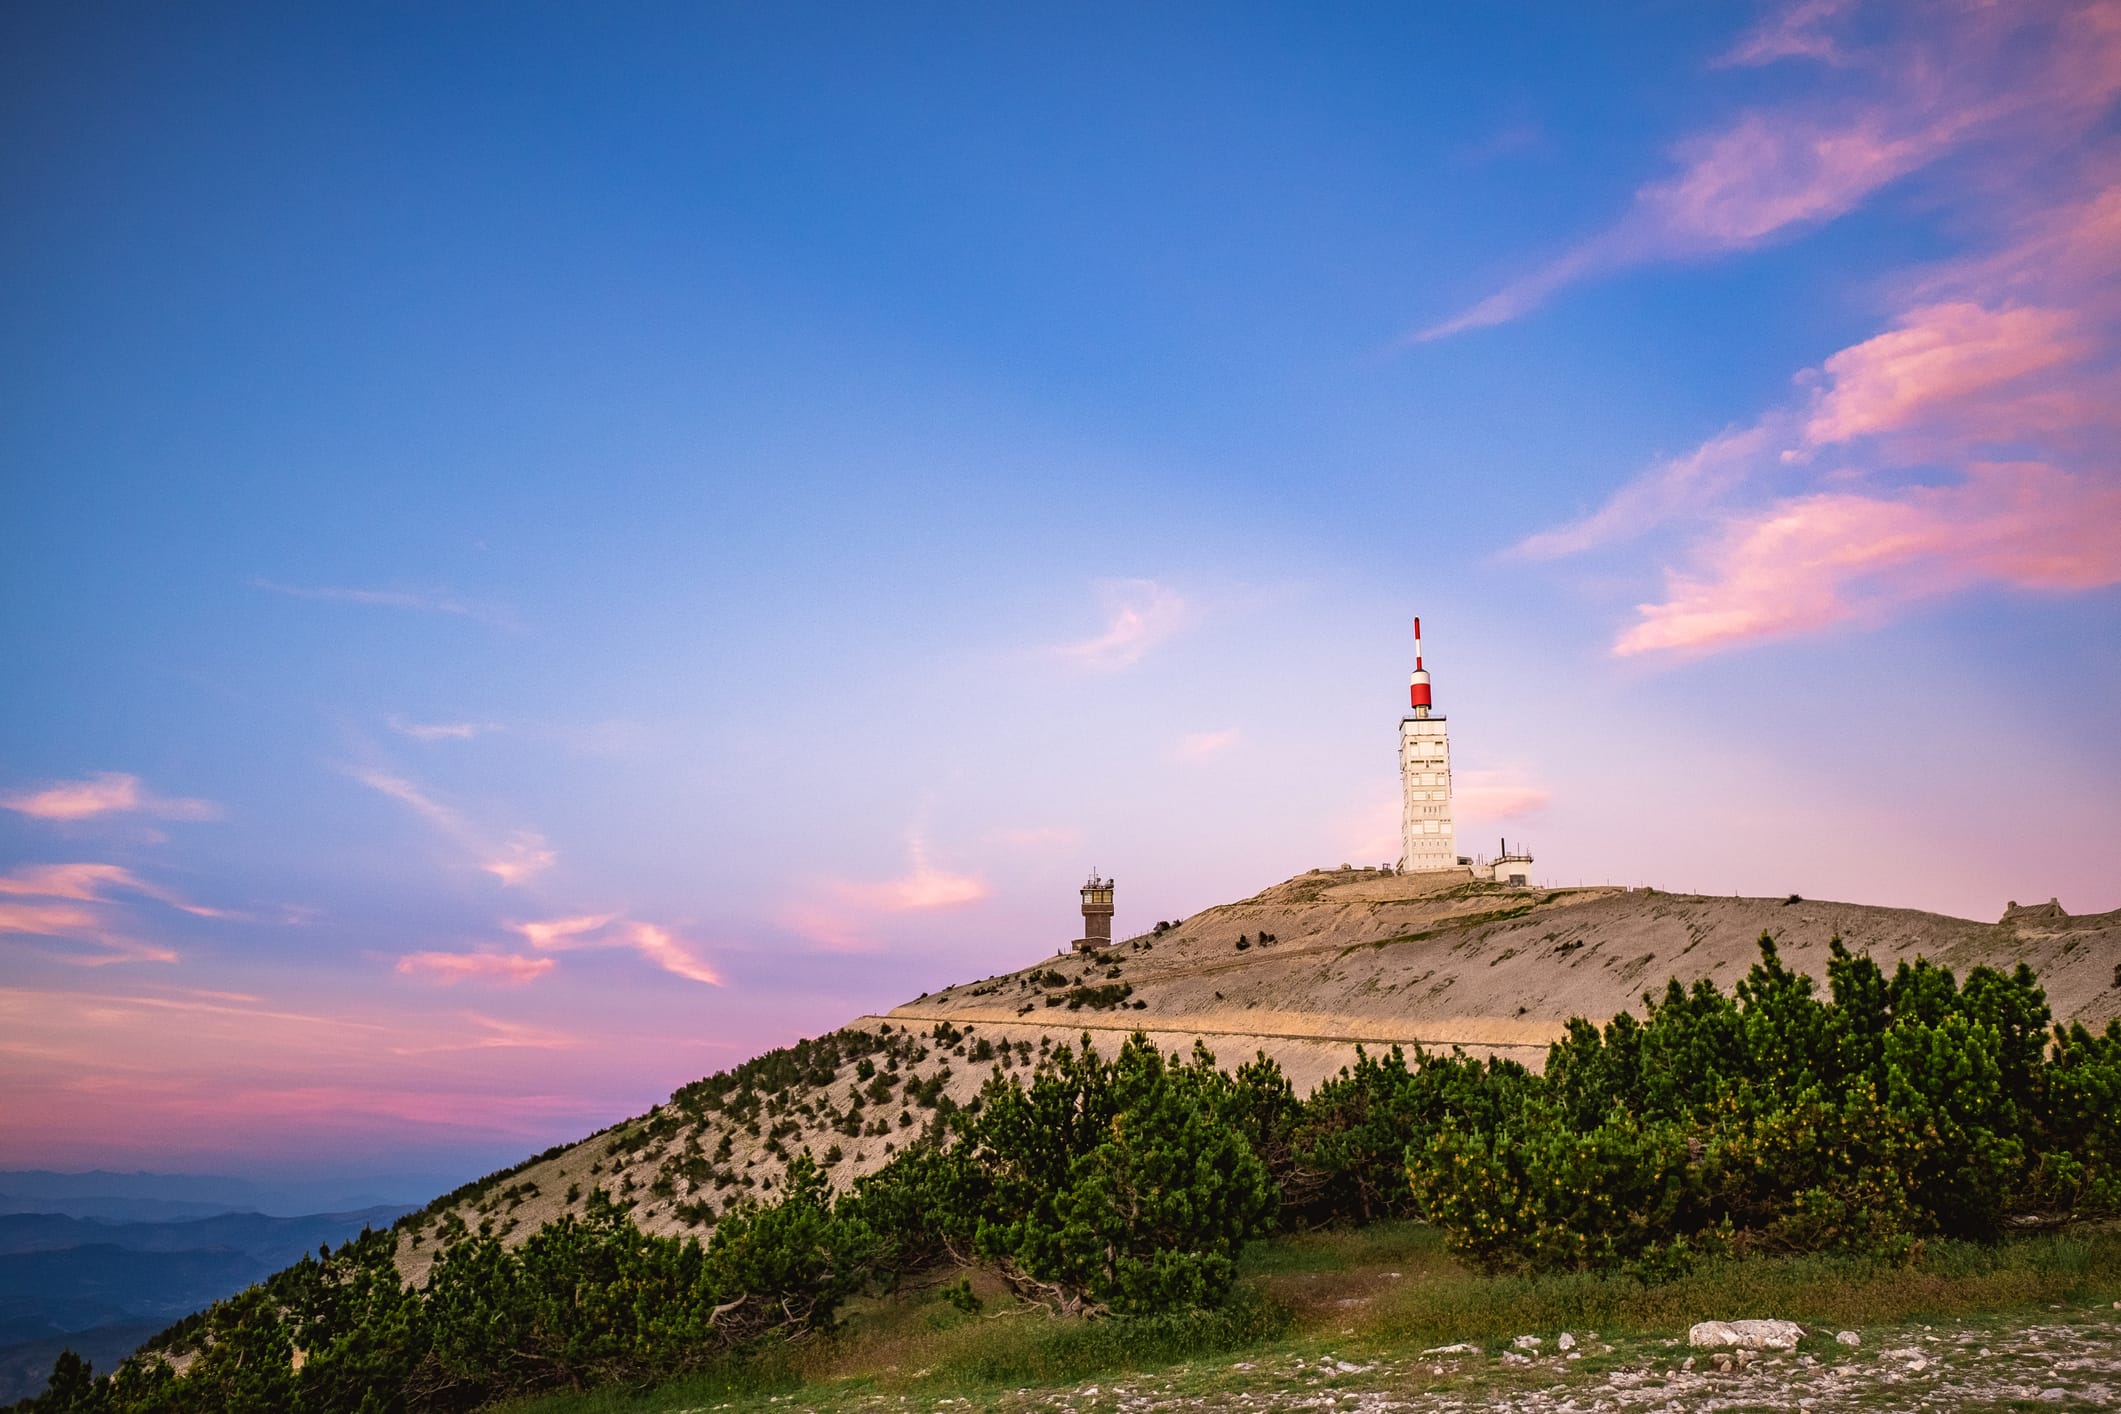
(1304, 972)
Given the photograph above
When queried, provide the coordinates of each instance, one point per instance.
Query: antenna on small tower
(1418, 684)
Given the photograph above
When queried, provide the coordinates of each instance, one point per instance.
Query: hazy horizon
(553, 552)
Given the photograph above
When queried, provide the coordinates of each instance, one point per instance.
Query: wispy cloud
(1800, 31)
(1140, 614)
(665, 951)
(606, 930)
(1680, 486)
(105, 793)
(842, 913)
(2009, 388)
(563, 933)
(74, 904)
(93, 882)
(1205, 746)
(1493, 795)
(1970, 440)
(74, 922)
(516, 860)
(406, 793)
(1818, 561)
(923, 887)
(425, 601)
(439, 731)
(449, 968)
(489, 1033)
(522, 857)
(1939, 80)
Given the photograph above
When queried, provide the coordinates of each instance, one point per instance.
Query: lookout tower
(1097, 915)
(1426, 836)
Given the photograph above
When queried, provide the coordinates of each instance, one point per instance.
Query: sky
(552, 548)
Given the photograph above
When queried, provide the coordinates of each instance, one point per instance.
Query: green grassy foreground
(1379, 1292)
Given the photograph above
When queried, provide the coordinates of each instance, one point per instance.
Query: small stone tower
(1097, 915)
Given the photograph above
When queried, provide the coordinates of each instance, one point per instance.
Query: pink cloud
(75, 922)
(1767, 173)
(658, 946)
(1816, 561)
(609, 930)
(523, 858)
(1680, 486)
(1971, 442)
(105, 793)
(449, 968)
(1496, 795)
(922, 888)
(406, 793)
(561, 933)
(489, 1034)
(1800, 31)
(1142, 614)
(1958, 367)
(843, 920)
(2004, 81)
(92, 883)
(517, 860)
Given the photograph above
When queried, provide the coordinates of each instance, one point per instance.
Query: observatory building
(1427, 839)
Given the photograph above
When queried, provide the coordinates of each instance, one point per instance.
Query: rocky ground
(2070, 1361)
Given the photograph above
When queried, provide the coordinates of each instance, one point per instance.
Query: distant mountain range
(158, 1197)
(101, 1286)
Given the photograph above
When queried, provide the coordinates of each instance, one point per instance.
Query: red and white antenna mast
(1418, 683)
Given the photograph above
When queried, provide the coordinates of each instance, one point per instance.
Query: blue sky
(550, 550)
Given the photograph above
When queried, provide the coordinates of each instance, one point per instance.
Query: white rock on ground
(1567, 1341)
(1747, 1335)
(1849, 1338)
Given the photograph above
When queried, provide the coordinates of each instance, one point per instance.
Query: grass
(1434, 1301)
(1380, 1292)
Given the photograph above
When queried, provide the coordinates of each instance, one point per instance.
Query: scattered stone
(1511, 1357)
(2054, 1396)
(1462, 1348)
(1848, 1338)
(1566, 1342)
(1748, 1335)
(1526, 1342)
